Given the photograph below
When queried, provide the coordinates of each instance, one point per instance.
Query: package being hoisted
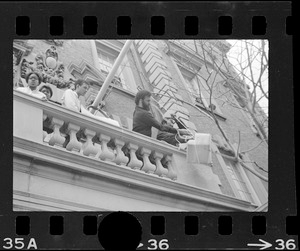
(199, 149)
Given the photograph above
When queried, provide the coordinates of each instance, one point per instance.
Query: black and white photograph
(169, 125)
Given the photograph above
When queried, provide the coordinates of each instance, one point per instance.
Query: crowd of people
(143, 119)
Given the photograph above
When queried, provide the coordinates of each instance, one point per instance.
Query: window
(124, 77)
(238, 180)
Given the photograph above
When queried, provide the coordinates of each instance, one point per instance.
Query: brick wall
(72, 51)
(119, 104)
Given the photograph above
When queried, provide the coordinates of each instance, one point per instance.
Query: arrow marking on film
(263, 245)
(140, 245)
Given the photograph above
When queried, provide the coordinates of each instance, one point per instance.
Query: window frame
(124, 74)
(239, 180)
(244, 177)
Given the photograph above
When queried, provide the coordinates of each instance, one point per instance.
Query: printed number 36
(162, 245)
(289, 244)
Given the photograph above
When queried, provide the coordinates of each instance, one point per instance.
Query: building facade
(91, 171)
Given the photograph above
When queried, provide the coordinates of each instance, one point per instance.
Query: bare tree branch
(251, 149)
(236, 78)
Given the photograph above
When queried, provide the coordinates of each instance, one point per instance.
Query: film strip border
(57, 230)
(158, 225)
(157, 25)
(146, 19)
(138, 230)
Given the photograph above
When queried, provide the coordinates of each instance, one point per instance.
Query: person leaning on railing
(47, 91)
(70, 98)
(33, 80)
(143, 119)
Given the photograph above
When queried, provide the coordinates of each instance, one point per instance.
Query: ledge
(124, 175)
(122, 90)
(32, 201)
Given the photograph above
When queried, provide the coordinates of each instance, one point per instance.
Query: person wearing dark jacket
(143, 120)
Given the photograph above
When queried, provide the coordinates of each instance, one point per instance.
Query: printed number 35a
(162, 244)
(18, 243)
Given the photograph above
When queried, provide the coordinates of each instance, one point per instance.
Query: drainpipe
(112, 73)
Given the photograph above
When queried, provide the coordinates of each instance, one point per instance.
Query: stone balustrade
(89, 137)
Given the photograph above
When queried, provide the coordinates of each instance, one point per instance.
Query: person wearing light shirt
(71, 101)
(70, 98)
(33, 80)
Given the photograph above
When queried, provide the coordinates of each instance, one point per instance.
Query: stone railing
(56, 126)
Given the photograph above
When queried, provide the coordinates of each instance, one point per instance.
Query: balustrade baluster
(148, 167)
(98, 147)
(73, 145)
(56, 138)
(105, 154)
(160, 170)
(89, 149)
(134, 162)
(120, 159)
(171, 171)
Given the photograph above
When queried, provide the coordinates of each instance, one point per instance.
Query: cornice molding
(125, 175)
(181, 52)
(38, 202)
(112, 44)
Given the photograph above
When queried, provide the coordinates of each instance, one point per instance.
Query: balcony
(66, 161)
